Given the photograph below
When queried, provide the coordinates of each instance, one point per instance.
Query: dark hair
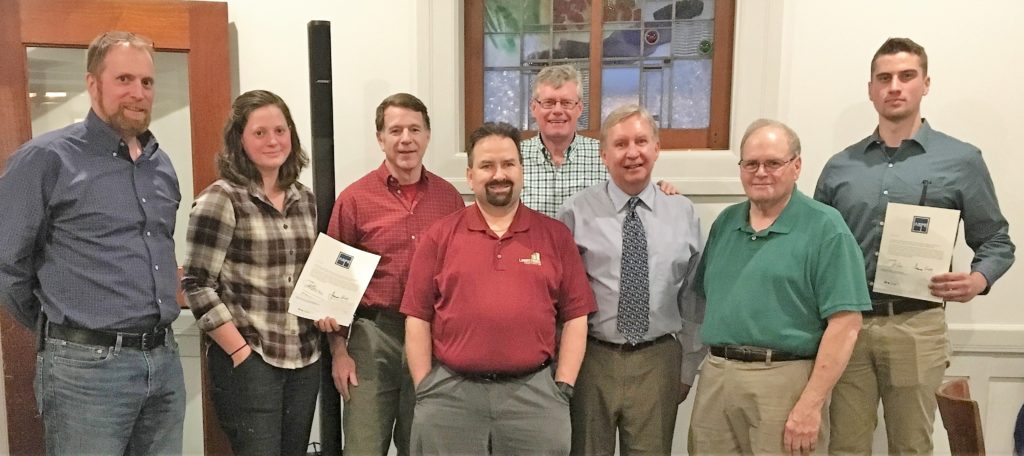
(895, 46)
(488, 129)
(232, 162)
(402, 100)
(101, 45)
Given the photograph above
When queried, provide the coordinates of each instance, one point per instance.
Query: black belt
(896, 306)
(501, 376)
(144, 341)
(379, 313)
(750, 354)
(628, 347)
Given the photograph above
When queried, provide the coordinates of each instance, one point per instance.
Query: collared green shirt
(862, 179)
(776, 288)
(546, 186)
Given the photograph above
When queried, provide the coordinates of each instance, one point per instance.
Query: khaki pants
(382, 405)
(456, 416)
(742, 407)
(901, 360)
(634, 393)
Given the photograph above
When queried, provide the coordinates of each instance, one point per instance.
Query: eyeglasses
(550, 104)
(771, 166)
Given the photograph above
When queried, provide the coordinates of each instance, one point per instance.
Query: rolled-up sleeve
(211, 226)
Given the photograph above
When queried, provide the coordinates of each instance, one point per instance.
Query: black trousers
(264, 410)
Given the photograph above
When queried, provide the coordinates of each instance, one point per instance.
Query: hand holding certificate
(332, 281)
(917, 243)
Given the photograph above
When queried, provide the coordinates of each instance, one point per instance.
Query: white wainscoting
(990, 356)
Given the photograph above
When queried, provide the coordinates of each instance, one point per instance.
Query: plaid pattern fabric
(242, 260)
(545, 186)
(372, 215)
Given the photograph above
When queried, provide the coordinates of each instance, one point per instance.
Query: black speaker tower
(322, 116)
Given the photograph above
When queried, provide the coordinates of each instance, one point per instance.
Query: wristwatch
(566, 389)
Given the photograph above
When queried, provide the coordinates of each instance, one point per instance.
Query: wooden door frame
(199, 28)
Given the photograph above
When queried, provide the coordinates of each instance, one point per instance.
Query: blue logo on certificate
(920, 225)
(344, 260)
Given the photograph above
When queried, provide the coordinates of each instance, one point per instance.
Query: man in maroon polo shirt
(486, 289)
(385, 212)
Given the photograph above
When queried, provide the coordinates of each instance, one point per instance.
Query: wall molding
(986, 338)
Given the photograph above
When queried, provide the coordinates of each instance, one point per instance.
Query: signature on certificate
(924, 268)
(894, 264)
(311, 288)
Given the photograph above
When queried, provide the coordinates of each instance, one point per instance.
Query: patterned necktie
(634, 290)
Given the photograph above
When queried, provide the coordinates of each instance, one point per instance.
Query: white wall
(802, 61)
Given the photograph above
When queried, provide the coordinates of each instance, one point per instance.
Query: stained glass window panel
(501, 50)
(691, 93)
(693, 39)
(571, 46)
(620, 86)
(570, 14)
(503, 16)
(621, 10)
(502, 95)
(653, 91)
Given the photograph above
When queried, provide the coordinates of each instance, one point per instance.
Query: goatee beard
(499, 200)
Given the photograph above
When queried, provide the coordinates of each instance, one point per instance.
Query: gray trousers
(459, 416)
(381, 407)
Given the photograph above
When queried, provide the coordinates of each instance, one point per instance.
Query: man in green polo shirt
(784, 282)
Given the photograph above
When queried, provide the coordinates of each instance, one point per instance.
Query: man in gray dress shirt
(641, 248)
(87, 257)
(902, 352)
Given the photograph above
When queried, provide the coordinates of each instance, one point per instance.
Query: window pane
(501, 50)
(570, 14)
(502, 95)
(620, 86)
(621, 10)
(692, 39)
(537, 48)
(622, 43)
(661, 10)
(503, 16)
(653, 90)
(571, 45)
(691, 93)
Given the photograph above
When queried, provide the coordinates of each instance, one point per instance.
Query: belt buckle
(144, 342)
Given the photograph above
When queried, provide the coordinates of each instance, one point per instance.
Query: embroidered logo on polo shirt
(533, 260)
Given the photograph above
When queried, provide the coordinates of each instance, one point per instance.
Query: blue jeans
(110, 400)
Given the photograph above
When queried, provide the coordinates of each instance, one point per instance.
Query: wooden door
(197, 28)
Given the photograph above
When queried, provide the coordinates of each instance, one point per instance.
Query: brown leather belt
(628, 347)
(896, 306)
(751, 354)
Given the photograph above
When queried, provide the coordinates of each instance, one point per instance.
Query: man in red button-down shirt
(385, 212)
(486, 289)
